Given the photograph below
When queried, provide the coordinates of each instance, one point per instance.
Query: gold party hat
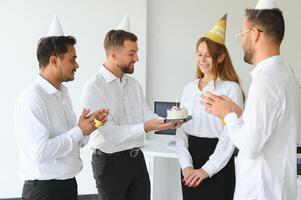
(218, 32)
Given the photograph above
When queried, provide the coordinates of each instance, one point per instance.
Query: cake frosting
(177, 113)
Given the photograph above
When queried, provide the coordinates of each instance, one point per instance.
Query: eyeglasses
(239, 35)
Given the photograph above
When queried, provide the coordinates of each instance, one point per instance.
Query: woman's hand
(186, 172)
(196, 177)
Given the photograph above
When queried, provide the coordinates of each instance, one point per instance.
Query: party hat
(124, 24)
(218, 32)
(55, 28)
(265, 4)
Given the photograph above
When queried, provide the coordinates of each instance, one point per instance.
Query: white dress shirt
(128, 111)
(266, 134)
(46, 132)
(206, 125)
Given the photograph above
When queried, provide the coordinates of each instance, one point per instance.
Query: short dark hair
(54, 45)
(116, 38)
(270, 21)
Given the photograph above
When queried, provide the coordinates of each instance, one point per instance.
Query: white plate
(178, 120)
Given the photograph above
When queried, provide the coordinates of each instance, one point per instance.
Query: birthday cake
(177, 113)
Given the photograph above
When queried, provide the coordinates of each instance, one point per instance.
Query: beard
(66, 77)
(249, 55)
(126, 69)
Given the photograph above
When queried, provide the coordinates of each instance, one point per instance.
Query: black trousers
(121, 176)
(50, 190)
(221, 185)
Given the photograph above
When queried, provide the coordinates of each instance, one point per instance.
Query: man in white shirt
(118, 164)
(47, 134)
(266, 131)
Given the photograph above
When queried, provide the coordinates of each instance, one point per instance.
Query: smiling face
(127, 56)
(204, 59)
(67, 65)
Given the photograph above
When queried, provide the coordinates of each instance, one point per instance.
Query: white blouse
(206, 125)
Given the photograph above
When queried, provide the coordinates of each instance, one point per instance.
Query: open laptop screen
(161, 109)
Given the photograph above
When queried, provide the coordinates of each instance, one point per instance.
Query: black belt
(40, 182)
(130, 152)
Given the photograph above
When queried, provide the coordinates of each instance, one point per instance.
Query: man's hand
(219, 106)
(195, 177)
(234, 107)
(158, 125)
(86, 121)
(100, 116)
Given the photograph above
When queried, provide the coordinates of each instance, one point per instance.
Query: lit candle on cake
(177, 103)
(176, 112)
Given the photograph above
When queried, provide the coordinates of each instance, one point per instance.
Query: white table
(164, 170)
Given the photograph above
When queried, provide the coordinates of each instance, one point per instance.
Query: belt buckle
(134, 153)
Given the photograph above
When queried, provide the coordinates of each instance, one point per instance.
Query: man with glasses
(47, 133)
(266, 131)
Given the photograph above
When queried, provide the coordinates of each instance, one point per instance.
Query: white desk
(163, 169)
(158, 149)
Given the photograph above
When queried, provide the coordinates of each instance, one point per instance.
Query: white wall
(174, 27)
(22, 24)
(170, 26)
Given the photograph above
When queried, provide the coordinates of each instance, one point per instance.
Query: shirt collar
(109, 76)
(47, 87)
(210, 85)
(265, 63)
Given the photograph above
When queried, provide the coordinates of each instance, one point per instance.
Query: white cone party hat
(124, 24)
(265, 4)
(55, 28)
